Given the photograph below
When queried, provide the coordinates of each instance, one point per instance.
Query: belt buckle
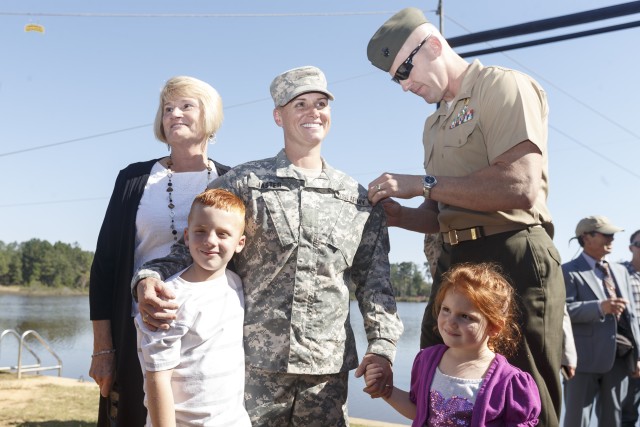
(453, 238)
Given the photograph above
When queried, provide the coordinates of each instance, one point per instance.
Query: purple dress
(507, 395)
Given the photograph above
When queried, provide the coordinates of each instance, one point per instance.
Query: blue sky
(98, 75)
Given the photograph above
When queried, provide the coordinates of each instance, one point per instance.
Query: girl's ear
(494, 330)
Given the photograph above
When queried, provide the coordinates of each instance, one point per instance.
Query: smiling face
(306, 120)
(181, 120)
(461, 324)
(213, 237)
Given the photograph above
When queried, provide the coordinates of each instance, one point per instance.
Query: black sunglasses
(636, 244)
(403, 71)
(602, 234)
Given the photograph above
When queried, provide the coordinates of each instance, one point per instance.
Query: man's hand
(154, 303)
(383, 386)
(395, 185)
(613, 306)
(636, 373)
(568, 371)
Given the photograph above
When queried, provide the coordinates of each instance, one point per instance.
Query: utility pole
(440, 12)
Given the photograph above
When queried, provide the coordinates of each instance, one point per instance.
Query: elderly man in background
(605, 328)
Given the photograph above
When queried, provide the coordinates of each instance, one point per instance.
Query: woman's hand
(102, 371)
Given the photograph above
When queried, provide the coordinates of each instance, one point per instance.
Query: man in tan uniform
(486, 185)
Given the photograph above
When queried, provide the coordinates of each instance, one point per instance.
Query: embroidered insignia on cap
(385, 51)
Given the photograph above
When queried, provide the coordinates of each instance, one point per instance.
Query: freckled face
(213, 237)
(460, 323)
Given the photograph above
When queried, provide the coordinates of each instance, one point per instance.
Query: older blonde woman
(145, 216)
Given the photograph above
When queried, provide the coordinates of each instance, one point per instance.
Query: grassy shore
(39, 400)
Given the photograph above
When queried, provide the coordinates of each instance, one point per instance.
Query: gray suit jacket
(594, 333)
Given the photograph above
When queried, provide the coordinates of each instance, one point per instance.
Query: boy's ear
(186, 236)
(241, 244)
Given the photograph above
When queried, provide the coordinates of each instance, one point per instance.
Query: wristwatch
(428, 182)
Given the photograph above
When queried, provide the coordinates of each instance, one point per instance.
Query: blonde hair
(210, 101)
(220, 199)
(492, 295)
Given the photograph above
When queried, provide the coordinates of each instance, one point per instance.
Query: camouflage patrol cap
(297, 81)
(388, 40)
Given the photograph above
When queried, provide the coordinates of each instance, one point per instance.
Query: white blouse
(153, 219)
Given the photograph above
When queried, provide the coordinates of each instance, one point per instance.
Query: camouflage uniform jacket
(306, 239)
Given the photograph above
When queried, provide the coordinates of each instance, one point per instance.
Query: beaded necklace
(171, 206)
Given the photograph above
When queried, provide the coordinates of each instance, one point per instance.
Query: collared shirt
(495, 110)
(307, 239)
(592, 263)
(634, 280)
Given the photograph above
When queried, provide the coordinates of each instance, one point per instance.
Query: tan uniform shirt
(496, 109)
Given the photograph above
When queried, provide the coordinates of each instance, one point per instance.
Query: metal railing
(37, 367)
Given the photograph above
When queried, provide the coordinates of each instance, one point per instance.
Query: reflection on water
(63, 321)
(360, 404)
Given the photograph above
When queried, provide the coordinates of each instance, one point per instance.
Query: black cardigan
(110, 291)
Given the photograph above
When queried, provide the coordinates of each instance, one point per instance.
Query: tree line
(40, 263)
(409, 282)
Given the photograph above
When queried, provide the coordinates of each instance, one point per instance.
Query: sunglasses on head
(403, 71)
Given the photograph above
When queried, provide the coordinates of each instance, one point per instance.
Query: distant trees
(409, 282)
(38, 262)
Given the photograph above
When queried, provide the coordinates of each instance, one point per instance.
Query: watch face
(429, 180)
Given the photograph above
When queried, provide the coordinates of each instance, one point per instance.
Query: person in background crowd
(605, 328)
(631, 403)
(147, 210)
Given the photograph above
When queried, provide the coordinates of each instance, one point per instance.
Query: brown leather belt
(453, 237)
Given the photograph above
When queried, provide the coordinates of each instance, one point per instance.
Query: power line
(602, 156)
(98, 135)
(54, 202)
(558, 88)
(193, 15)
(462, 40)
(547, 24)
(552, 39)
(84, 138)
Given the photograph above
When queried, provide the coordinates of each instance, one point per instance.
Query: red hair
(492, 295)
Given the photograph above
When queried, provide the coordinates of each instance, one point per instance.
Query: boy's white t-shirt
(204, 347)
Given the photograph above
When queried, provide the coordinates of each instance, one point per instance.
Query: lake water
(63, 321)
